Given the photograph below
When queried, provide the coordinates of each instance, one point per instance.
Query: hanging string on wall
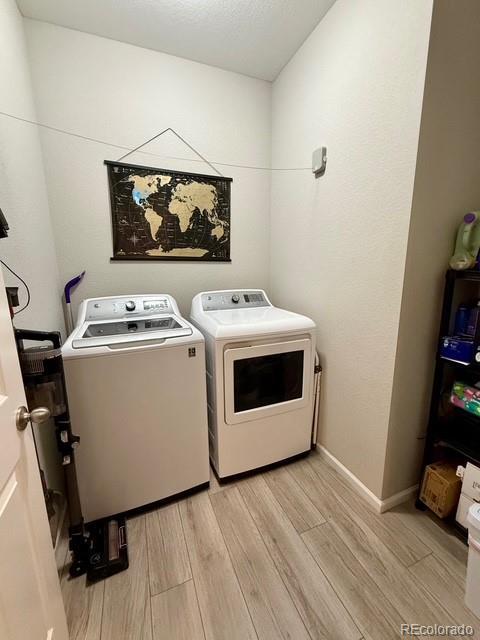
(144, 144)
(137, 149)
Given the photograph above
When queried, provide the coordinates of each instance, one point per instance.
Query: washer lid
(107, 332)
(240, 323)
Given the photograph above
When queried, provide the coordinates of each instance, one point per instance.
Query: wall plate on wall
(319, 161)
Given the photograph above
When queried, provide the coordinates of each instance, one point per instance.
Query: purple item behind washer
(71, 284)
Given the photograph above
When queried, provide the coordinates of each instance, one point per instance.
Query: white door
(267, 379)
(31, 605)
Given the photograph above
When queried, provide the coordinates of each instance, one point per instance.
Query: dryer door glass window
(262, 380)
(267, 380)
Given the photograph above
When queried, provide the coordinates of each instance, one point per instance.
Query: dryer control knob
(235, 298)
(130, 305)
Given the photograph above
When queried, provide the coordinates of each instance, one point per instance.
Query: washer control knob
(130, 305)
(235, 298)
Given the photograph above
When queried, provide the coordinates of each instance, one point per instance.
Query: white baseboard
(379, 505)
(398, 498)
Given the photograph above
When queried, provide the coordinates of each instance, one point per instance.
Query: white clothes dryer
(260, 375)
(135, 376)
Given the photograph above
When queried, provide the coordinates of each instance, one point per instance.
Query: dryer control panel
(128, 306)
(217, 300)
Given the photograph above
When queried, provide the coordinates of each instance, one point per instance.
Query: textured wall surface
(125, 95)
(338, 244)
(447, 186)
(29, 249)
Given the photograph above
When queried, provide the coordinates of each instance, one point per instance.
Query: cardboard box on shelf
(441, 488)
(470, 492)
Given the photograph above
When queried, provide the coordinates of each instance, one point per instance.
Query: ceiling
(254, 37)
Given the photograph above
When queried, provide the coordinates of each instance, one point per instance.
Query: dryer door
(267, 379)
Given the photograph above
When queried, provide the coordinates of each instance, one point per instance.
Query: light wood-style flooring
(290, 554)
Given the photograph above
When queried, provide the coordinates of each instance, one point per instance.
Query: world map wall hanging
(168, 215)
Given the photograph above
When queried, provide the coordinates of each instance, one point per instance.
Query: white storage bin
(470, 492)
(472, 591)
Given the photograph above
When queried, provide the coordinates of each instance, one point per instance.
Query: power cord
(24, 284)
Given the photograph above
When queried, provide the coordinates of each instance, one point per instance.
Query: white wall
(29, 249)
(124, 94)
(338, 243)
(447, 186)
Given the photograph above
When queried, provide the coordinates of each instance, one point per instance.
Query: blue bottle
(462, 320)
(473, 320)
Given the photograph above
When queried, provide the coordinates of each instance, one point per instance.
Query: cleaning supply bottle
(467, 243)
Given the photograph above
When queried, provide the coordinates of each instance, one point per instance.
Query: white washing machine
(260, 375)
(135, 375)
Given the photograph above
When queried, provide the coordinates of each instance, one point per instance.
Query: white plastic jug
(472, 591)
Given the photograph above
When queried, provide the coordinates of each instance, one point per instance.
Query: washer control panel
(217, 300)
(106, 308)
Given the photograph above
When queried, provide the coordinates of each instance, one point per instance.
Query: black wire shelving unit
(452, 433)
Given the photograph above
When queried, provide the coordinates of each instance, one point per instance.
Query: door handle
(38, 415)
